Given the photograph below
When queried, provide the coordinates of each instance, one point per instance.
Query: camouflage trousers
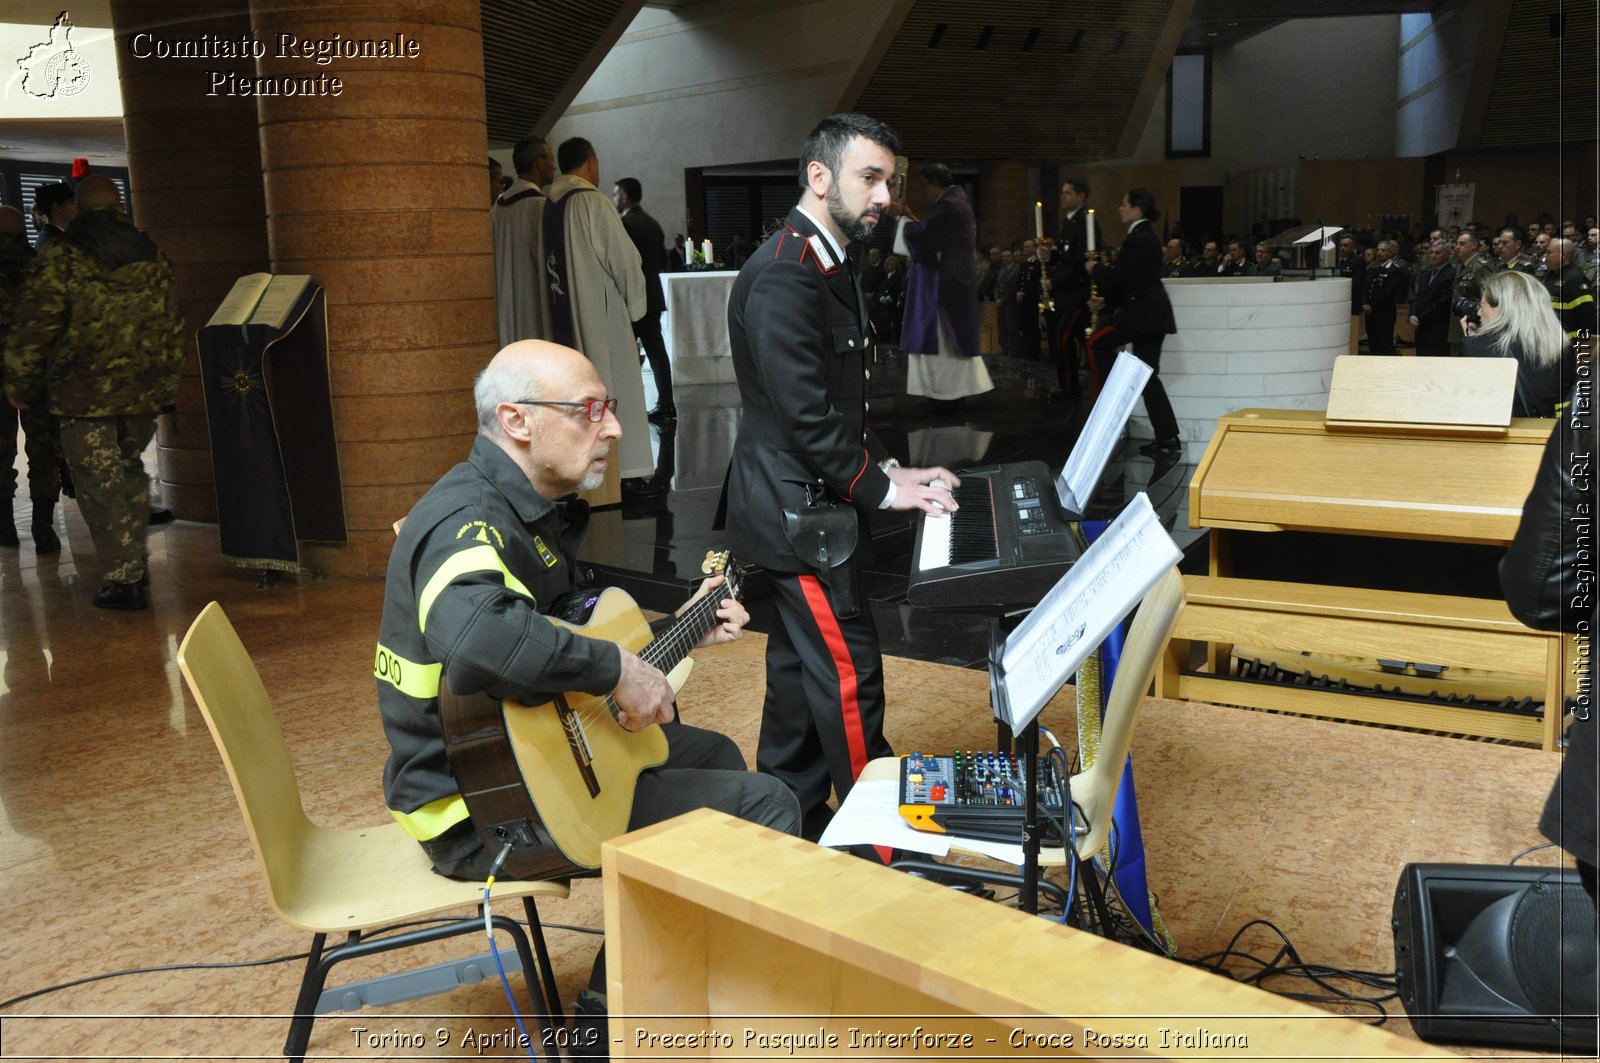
(43, 447)
(104, 456)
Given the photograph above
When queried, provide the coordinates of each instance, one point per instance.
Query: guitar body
(557, 778)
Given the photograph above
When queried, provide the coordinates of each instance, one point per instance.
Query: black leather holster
(824, 536)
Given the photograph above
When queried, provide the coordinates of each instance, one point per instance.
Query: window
(1189, 105)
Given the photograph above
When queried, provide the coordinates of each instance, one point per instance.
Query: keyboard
(1002, 549)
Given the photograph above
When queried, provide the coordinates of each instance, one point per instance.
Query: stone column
(380, 192)
(194, 171)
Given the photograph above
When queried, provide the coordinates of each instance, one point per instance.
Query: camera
(1467, 308)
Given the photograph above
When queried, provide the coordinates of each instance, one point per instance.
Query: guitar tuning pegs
(716, 561)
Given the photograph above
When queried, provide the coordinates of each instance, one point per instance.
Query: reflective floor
(122, 848)
(655, 548)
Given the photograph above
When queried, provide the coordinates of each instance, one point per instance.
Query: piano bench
(1458, 633)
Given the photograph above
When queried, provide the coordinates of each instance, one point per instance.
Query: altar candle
(706, 250)
(1038, 218)
(1091, 228)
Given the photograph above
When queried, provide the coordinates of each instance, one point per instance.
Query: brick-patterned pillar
(194, 170)
(1003, 203)
(378, 193)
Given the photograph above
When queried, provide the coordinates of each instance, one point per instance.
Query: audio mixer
(977, 795)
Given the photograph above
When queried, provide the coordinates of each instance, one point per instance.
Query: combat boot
(45, 540)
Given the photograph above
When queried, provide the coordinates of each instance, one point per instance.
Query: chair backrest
(244, 726)
(1094, 790)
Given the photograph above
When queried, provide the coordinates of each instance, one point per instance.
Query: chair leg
(552, 995)
(542, 1008)
(305, 1008)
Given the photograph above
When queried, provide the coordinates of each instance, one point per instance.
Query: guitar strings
(673, 641)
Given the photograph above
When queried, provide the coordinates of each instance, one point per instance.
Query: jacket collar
(818, 230)
(507, 477)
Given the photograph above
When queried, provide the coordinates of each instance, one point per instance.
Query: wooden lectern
(728, 939)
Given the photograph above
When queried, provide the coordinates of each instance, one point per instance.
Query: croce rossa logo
(53, 67)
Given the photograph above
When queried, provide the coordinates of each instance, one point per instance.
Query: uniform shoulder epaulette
(794, 246)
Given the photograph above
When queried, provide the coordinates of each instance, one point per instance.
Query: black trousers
(1433, 341)
(1067, 344)
(823, 717)
(647, 330)
(1028, 329)
(1380, 331)
(1103, 347)
(704, 769)
(42, 441)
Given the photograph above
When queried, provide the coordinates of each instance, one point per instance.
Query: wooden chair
(351, 882)
(1094, 790)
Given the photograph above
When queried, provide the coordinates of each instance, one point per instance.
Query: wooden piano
(1437, 661)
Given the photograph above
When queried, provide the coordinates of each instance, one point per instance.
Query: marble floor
(122, 849)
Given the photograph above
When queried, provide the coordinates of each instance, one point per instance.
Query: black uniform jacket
(1132, 286)
(1549, 586)
(1069, 272)
(1431, 306)
(1384, 286)
(796, 323)
(645, 232)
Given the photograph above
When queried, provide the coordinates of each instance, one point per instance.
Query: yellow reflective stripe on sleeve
(433, 818)
(1579, 301)
(408, 677)
(473, 559)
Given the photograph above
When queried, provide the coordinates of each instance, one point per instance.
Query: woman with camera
(1515, 320)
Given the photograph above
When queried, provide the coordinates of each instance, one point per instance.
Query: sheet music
(1101, 433)
(1089, 599)
(870, 815)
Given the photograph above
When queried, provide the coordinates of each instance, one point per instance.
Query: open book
(261, 299)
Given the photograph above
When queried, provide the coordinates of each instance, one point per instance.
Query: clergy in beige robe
(518, 273)
(607, 294)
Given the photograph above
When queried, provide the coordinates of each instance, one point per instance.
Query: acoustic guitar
(557, 778)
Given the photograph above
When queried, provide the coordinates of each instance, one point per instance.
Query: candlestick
(1038, 218)
(707, 250)
(1091, 229)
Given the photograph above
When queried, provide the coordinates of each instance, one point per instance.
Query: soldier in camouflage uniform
(1472, 266)
(99, 338)
(44, 479)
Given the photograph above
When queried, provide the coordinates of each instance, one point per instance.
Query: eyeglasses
(594, 409)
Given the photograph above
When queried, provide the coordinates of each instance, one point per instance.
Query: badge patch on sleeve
(549, 559)
(480, 531)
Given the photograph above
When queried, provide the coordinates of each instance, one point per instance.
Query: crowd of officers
(1436, 274)
(1441, 277)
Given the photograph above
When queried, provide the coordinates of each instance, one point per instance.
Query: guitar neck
(674, 644)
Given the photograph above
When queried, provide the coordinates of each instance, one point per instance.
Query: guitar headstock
(722, 561)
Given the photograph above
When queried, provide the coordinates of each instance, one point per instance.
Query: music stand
(1035, 658)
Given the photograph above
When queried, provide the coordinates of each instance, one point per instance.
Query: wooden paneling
(537, 56)
(1544, 85)
(984, 91)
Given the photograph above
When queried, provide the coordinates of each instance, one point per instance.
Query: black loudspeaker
(1497, 954)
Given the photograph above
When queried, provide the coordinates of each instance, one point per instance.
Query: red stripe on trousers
(849, 704)
(1095, 378)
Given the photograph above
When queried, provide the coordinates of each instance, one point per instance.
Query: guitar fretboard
(670, 647)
